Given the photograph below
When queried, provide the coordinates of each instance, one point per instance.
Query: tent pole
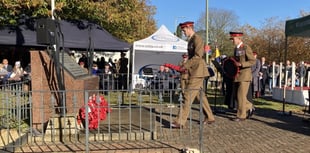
(132, 67)
(129, 73)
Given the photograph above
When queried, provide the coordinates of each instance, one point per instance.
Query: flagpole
(207, 27)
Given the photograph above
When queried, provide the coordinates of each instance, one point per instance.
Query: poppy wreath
(97, 111)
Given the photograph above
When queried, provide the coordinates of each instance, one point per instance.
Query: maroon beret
(236, 34)
(186, 24)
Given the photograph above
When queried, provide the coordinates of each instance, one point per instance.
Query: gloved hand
(175, 67)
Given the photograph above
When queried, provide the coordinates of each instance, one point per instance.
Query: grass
(278, 105)
(218, 100)
(264, 103)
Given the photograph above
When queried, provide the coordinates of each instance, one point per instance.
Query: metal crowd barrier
(14, 102)
(135, 120)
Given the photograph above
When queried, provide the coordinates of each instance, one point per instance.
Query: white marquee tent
(159, 48)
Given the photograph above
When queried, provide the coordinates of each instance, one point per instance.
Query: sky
(253, 12)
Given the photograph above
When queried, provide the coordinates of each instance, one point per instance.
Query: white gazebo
(159, 48)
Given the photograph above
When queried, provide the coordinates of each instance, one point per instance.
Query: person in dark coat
(263, 75)
(123, 71)
(84, 59)
(101, 63)
(255, 79)
(6, 65)
(228, 88)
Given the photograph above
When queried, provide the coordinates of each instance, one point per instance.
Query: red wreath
(96, 112)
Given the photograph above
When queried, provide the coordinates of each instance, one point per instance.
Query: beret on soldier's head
(254, 53)
(235, 34)
(186, 24)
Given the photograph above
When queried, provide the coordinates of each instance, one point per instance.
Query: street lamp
(176, 22)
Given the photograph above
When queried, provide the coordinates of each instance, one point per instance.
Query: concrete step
(122, 123)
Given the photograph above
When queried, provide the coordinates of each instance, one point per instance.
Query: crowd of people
(15, 73)
(112, 74)
(164, 79)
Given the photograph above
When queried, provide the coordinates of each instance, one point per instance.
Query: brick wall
(44, 85)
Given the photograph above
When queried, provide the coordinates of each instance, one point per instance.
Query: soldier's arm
(198, 42)
(250, 58)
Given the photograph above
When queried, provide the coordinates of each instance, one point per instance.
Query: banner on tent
(159, 47)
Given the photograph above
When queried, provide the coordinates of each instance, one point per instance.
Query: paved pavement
(268, 131)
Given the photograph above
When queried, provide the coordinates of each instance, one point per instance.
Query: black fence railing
(101, 120)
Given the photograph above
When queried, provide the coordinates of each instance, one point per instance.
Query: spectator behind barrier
(17, 73)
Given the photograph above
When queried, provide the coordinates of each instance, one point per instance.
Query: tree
(220, 23)
(124, 19)
(269, 41)
(179, 32)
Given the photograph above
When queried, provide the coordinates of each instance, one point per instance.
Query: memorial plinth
(46, 95)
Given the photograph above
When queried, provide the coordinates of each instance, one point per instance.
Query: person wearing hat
(243, 55)
(197, 71)
(184, 76)
(195, 46)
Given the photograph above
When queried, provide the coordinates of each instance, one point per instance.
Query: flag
(210, 52)
(217, 55)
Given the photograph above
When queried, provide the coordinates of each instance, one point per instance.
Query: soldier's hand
(239, 64)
